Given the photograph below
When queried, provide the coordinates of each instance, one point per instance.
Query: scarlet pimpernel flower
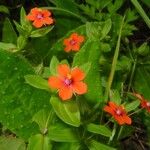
(144, 103)
(118, 112)
(40, 17)
(73, 43)
(68, 81)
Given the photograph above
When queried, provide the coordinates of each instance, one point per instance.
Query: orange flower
(73, 42)
(118, 112)
(144, 103)
(68, 81)
(40, 17)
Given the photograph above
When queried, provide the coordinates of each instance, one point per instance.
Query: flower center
(148, 104)
(73, 42)
(118, 112)
(67, 81)
(39, 16)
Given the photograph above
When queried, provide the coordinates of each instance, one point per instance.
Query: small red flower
(144, 103)
(118, 112)
(40, 17)
(68, 81)
(73, 42)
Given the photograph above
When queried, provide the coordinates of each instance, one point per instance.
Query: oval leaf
(61, 134)
(37, 81)
(66, 111)
(39, 142)
(41, 32)
(131, 106)
(99, 129)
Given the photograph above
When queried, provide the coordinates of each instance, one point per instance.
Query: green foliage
(37, 82)
(4, 9)
(11, 143)
(9, 34)
(39, 142)
(94, 145)
(66, 111)
(60, 133)
(99, 129)
(132, 106)
(19, 101)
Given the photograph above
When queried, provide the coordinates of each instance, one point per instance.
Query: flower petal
(79, 87)
(77, 74)
(35, 10)
(113, 105)
(46, 13)
(76, 47)
(119, 119)
(81, 39)
(65, 93)
(38, 23)
(109, 110)
(63, 70)
(55, 82)
(127, 119)
(48, 20)
(30, 17)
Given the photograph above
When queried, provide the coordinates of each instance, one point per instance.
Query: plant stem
(120, 131)
(132, 75)
(114, 63)
(141, 12)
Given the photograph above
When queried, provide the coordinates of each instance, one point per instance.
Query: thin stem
(132, 75)
(113, 133)
(141, 12)
(114, 63)
(120, 131)
(136, 111)
(67, 11)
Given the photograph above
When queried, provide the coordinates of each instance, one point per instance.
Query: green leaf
(93, 30)
(11, 143)
(67, 111)
(39, 142)
(132, 106)
(24, 22)
(8, 47)
(106, 28)
(142, 81)
(19, 101)
(67, 5)
(43, 118)
(8, 34)
(4, 9)
(21, 42)
(41, 32)
(62, 134)
(144, 49)
(94, 145)
(20, 29)
(37, 82)
(99, 129)
(115, 96)
(85, 67)
(53, 65)
(90, 52)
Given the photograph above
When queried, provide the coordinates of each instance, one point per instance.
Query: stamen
(39, 16)
(118, 112)
(67, 81)
(148, 104)
(73, 42)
